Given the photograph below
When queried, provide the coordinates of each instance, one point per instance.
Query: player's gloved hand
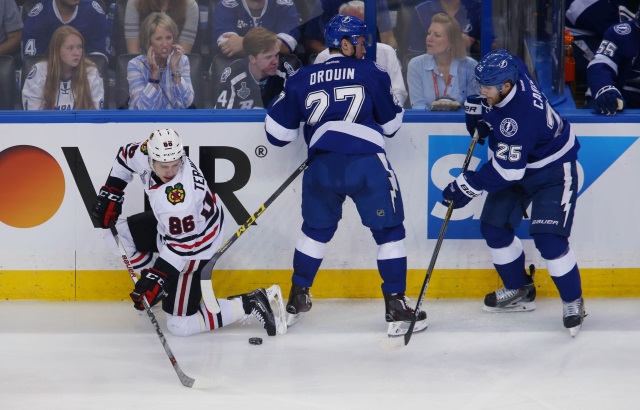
(108, 206)
(149, 286)
(608, 100)
(461, 191)
(473, 113)
(484, 130)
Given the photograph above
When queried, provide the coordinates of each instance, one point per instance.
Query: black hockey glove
(608, 100)
(473, 114)
(149, 286)
(107, 207)
(461, 191)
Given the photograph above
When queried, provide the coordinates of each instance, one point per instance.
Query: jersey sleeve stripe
(391, 127)
(278, 131)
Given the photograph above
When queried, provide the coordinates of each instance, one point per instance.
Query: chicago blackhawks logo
(175, 194)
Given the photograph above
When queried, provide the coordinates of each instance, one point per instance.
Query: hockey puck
(255, 340)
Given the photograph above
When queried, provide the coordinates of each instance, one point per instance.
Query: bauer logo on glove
(445, 104)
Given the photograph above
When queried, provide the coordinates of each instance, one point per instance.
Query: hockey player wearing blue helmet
(532, 161)
(347, 109)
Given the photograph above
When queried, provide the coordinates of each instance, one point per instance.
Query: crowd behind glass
(175, 54)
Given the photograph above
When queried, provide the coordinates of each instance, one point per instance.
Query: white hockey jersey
(189, 219)
(33, 90)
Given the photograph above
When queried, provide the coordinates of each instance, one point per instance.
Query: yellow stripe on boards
(445, 283)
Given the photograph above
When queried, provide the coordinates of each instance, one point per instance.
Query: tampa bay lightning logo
(32, 73)
(508, 127)
(622, 29)
(503, 64)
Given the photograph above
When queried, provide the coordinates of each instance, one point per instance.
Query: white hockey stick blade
(209, 297)
(205, 383)
(392, 343)
(274, 293)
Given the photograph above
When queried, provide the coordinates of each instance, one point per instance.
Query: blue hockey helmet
(496, 68)
(341, 26)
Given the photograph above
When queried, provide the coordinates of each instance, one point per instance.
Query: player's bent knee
(551, 246)
(184, 325)
(323, 235)
(495, 237)
(386, 235)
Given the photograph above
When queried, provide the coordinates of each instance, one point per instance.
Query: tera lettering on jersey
(333, 74)
(199, 182)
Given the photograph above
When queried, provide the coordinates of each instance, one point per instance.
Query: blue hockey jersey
(278, 16)
(616, 63)
(43, 19)
(528, 135)
(345, 103)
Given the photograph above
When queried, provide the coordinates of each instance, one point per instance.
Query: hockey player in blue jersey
(347, 108)
(532, 161)
(614, 73)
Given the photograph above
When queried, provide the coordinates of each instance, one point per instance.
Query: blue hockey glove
(461, 191)
(484, 130)
(149, 286)
(608, 100)
(473, 113)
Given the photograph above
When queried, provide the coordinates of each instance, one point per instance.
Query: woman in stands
(66, 80)
(442, 78)
(185, 14)
(161, 77)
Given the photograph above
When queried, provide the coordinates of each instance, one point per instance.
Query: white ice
(106, 355)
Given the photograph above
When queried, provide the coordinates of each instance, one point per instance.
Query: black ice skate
(399, 315)
(573, 315)
(256, 304)
(511, 300)
(298, 303)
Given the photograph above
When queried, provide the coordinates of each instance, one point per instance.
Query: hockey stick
(398, 342)
(184, 379)
(205, 279)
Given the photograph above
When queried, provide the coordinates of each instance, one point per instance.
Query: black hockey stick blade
(184, 379)
(399, 342)
(205, 277)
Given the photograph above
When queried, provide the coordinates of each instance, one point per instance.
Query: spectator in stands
(466, 12)
(385, 55)
(10, 28)
(614, 73)
(587, 20)
(254, 81)
(444, 77)
(86, 16)
(232, 20)
(185, 14)
(326, 9)
(66, 80)
(160, 78)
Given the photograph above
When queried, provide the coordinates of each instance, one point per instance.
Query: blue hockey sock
(304, 269)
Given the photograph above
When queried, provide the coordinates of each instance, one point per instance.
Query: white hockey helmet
(164, 146)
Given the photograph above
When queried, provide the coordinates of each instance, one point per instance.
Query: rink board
(50, 250)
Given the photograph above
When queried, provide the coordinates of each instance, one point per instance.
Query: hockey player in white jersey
(184, 229)
(347, 108)
(532, 161)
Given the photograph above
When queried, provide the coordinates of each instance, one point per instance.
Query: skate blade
(573, 331)
(520, 307)
(292, 319)
(397, 329)
(274, 294)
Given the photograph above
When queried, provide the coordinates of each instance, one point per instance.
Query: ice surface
(105, 355)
